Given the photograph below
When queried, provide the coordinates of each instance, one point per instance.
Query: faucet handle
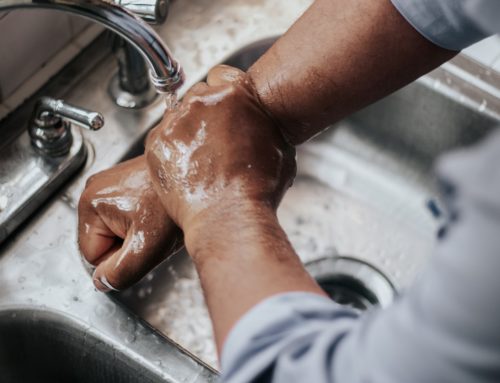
(151, 11)
(48, 110)
(50, 128)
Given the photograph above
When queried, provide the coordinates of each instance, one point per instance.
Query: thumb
(224, 74)
(95, 238)
(138, 255)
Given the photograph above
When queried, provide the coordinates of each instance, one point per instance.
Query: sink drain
(352, 282)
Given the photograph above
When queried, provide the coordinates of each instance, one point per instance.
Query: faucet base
(28, 178)
(130, 100)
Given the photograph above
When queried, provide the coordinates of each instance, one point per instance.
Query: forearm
(338, 57)
(243, 257)
(444, 328)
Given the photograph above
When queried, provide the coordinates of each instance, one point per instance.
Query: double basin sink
(364, 190)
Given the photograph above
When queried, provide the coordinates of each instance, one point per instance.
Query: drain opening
(352, 282)
(348, 291)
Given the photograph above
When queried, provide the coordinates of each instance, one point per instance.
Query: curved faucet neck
(165, 72)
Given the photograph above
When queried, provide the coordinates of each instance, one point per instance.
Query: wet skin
(123, 228)
(220, 166)
(222, 160)
(218, 148)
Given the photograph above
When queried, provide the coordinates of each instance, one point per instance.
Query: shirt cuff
(256, 336)
(444, 23)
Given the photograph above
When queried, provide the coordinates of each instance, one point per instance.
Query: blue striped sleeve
(447, 23)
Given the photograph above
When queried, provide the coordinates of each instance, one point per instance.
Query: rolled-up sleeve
(283, 333)
(450, 24)
(443, 329)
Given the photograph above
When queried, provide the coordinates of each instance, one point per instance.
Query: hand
(220, 166)
(218, 151)
(123, 228)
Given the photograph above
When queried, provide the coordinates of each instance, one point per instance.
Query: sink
(364, 189)
(40, 346)
(362, 199)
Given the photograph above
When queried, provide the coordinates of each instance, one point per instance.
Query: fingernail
(103, 285)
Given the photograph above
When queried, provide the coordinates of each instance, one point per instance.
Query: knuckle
(85, 201)
(91, 180)
(151, 136)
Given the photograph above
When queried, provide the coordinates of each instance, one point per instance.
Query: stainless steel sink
(40, 266)
(42, 347)
(362, 191)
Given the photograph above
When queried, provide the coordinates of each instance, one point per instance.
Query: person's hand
(123, 229)
(218, 152)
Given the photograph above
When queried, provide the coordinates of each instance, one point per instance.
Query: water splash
(171, 100)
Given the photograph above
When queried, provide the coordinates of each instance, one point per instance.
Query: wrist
(271, 105)
(229, 225)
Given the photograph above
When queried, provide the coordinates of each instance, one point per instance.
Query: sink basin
(363, 189)
(40, 346)
(362, 195)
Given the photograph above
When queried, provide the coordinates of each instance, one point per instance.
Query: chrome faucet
(130, 86)
(38, 161)
(165, 73)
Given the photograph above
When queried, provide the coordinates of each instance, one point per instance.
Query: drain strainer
(352, 282)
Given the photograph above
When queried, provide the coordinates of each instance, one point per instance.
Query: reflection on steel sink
(362, 190)
(42, 347)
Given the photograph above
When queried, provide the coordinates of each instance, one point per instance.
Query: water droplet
(3, 202)
(105, 310)
(130, 338)
(483, 106)
(142, 293)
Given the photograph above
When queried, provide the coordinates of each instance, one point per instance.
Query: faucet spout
(165, 72)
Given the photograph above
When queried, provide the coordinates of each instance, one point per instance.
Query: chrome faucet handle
(47, 108)
(50, 125)
(151, 11)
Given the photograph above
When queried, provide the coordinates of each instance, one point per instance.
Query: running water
(170, 100)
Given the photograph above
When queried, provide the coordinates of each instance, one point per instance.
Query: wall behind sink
(35, 45)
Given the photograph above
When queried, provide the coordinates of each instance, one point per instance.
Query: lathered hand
(123, 228)
(218, 151)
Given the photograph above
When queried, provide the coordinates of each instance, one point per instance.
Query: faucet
(165, 73)
(52, 149)
(130, 86)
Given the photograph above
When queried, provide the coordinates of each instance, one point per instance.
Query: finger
(224, 74)
(132, 262)
(94, 237)
(199, 87)
(196, 90)
(151, 137)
